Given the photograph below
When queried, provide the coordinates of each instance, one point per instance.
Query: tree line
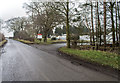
(101, 18)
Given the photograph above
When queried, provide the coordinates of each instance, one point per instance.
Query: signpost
(39, 37)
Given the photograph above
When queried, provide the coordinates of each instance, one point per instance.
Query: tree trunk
(97, 28)
(45, 37)
(100, 36)
(90, 37)
(67, 26)
(92, 24)
(90, 32)
(116, 24)
(112, 19)
(104, 5)
(119, 20)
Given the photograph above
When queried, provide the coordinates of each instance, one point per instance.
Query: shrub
(1, 37)
(29, 39)
(53, 38)
(74, 39)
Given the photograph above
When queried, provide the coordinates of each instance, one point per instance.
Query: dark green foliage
(74, 39)
(58, 31)
(50, 33)
(53, 38)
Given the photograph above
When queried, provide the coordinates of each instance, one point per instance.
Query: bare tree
(104, 6)
(97, 27)
(119, 20)
(116, 21)
(1, 22)
(44, 16)
(112, 19)
(92, 24)
(64, 9)
(67, 25)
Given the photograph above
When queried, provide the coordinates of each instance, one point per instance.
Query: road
(21, 62)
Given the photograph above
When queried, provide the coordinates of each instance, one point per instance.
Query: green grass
(3, 42)
(103, 58)
(25, 41)
(42, 42)
(83, 41)
(49, 41)
(36, 41)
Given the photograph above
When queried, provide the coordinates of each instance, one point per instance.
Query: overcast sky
(10, 9)
(14, 8)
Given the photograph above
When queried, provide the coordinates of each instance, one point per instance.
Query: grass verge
(36, 41)
(99, 57)
(49, 41)
(25, 41)
(2, 43)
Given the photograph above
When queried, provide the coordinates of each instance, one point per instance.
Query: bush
(74, 39)
(53, 38)
(29, 39)
(1, 37)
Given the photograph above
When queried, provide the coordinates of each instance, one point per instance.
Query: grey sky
(14, 8)
(10, 9)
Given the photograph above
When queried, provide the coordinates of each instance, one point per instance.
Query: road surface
(21, 62)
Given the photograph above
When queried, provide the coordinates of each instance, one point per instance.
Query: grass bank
(49, 41)
(2, 43)
(36, 41)
(93, 56)
(25, 41)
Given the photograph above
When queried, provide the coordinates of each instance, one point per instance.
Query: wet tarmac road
(21, 62)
